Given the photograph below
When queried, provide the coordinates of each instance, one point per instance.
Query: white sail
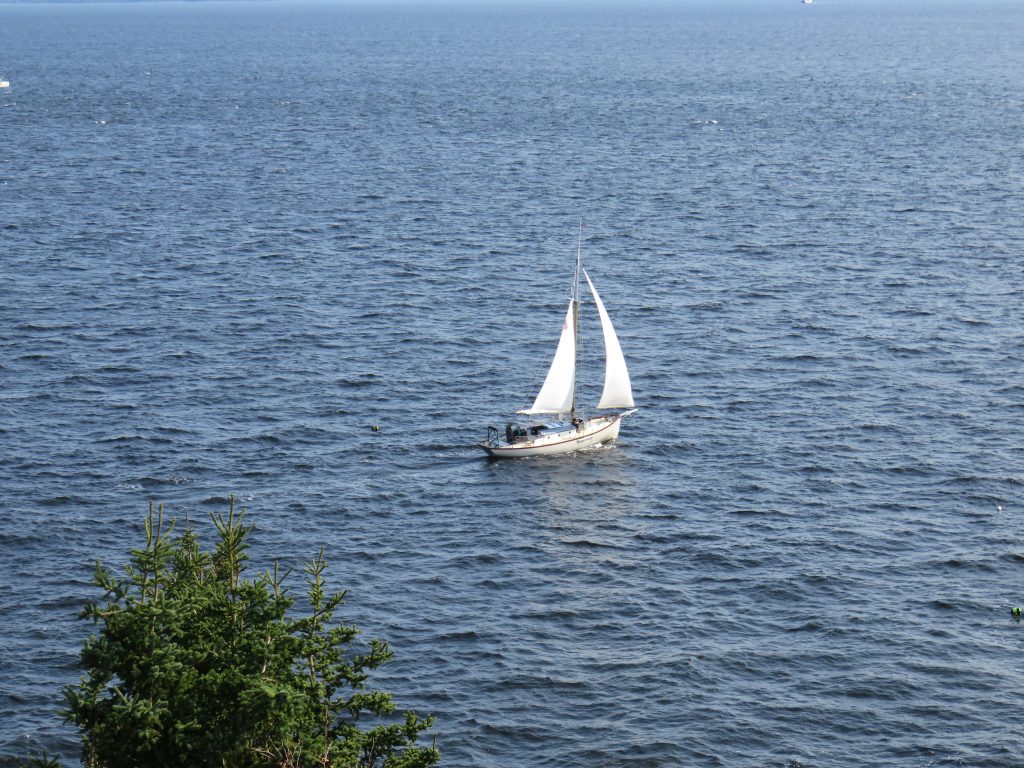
(557, 393)
(617, 390)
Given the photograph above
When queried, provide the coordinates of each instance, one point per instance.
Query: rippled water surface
(234, 236)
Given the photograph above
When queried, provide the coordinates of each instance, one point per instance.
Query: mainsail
(556, 395)
(617, 390)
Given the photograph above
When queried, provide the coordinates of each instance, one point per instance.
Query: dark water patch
(62, 501)
(588, 544)
(172, 431)
(45, 327)
(962, 563)
(974, 322)
(915, 471)
(468, 636)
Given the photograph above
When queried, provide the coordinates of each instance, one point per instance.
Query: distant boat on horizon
(806, 2)
(5, 84)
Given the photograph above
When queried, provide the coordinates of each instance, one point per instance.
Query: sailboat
(557, 395)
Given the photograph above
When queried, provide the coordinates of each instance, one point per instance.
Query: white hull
(590, 432)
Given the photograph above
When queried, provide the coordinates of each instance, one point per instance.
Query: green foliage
(42, 761)
(194, 665)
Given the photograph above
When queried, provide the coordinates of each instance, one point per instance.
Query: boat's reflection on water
(595, 484)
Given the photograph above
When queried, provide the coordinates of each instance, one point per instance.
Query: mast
(576, 316)
(559, 388)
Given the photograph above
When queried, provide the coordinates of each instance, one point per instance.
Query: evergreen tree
(194, 665)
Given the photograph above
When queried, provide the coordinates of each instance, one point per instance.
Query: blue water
(234, 236)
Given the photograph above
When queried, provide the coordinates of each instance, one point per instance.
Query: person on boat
(514, 433)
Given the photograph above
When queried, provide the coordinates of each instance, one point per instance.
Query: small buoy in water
(1015, 612)
(375, 427)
